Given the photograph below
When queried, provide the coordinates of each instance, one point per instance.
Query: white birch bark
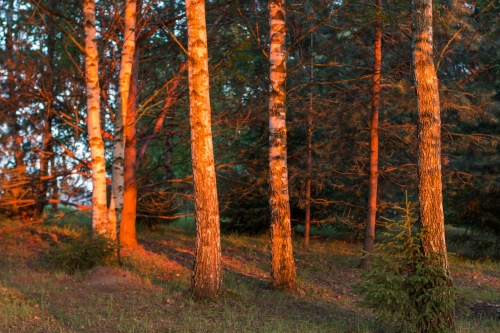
(206, 281)
(99, 208)
(127, 61)
(282, 262)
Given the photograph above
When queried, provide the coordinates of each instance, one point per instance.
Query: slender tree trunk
(282, 263)
(429, 142)
(207, 275)
(167, 105)
(46, 150)
(118, 185)
(99, 207)
(371, 215)
(169, 145)
(307, 225)
(127, 226)
(45, 155)
(13, 99)
(55, 185)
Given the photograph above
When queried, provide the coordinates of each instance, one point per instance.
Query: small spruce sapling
(406, 286)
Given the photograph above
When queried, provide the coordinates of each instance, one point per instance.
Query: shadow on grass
(246, 283)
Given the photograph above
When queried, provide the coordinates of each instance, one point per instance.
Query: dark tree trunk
(13, 99)
(46, 150)
(307, 225)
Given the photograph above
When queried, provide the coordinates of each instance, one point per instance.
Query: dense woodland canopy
(254, 117)
(145, 53)
(45, 151)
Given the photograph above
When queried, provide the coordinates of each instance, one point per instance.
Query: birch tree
(282, 262)
(99, 206)
(207, 275)
(429, 142)
(127, 61)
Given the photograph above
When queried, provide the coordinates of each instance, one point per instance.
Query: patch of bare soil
(485, 310)
(110, 277)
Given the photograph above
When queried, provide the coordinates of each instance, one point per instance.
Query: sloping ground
(149, 293)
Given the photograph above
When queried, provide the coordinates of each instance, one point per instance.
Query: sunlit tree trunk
(282, 262)
(207, 275)
(371, 215)
(118, 185)
(429, 142)
(99, 208)
(307, 224)
(127, 226)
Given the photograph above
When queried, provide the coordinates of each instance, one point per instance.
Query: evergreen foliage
(83, 252)
(407, 286)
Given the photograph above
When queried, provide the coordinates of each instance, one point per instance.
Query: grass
(149, 293)
(67, 217)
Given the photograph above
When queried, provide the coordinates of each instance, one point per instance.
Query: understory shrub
(406, 286)
(83, 252)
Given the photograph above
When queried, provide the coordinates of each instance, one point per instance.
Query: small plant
(407, 286)
(83, 252)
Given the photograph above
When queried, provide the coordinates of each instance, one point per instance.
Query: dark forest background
(43, 138)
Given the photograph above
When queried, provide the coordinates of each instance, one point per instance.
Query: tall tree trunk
(55, 185)
(207, 275)
(307, 225)
(13, 99)
(429, 142)
(282, 263)
(170, 100)
(45, 155)
(169, 145)
(46, 150)
(118, 185)
(127, 226)
(99, 207)
(371, 215)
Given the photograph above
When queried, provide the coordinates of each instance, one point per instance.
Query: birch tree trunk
(99, 207)
(282, 262)
(371, 215)
(429, 142)
(127, 226)
(127, 61)
(207, 275)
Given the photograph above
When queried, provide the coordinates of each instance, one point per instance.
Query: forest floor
(149, 292)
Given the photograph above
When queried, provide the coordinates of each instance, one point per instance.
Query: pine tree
(373, 178)
(118, 186)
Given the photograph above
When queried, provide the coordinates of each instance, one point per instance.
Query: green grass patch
(150, 292)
